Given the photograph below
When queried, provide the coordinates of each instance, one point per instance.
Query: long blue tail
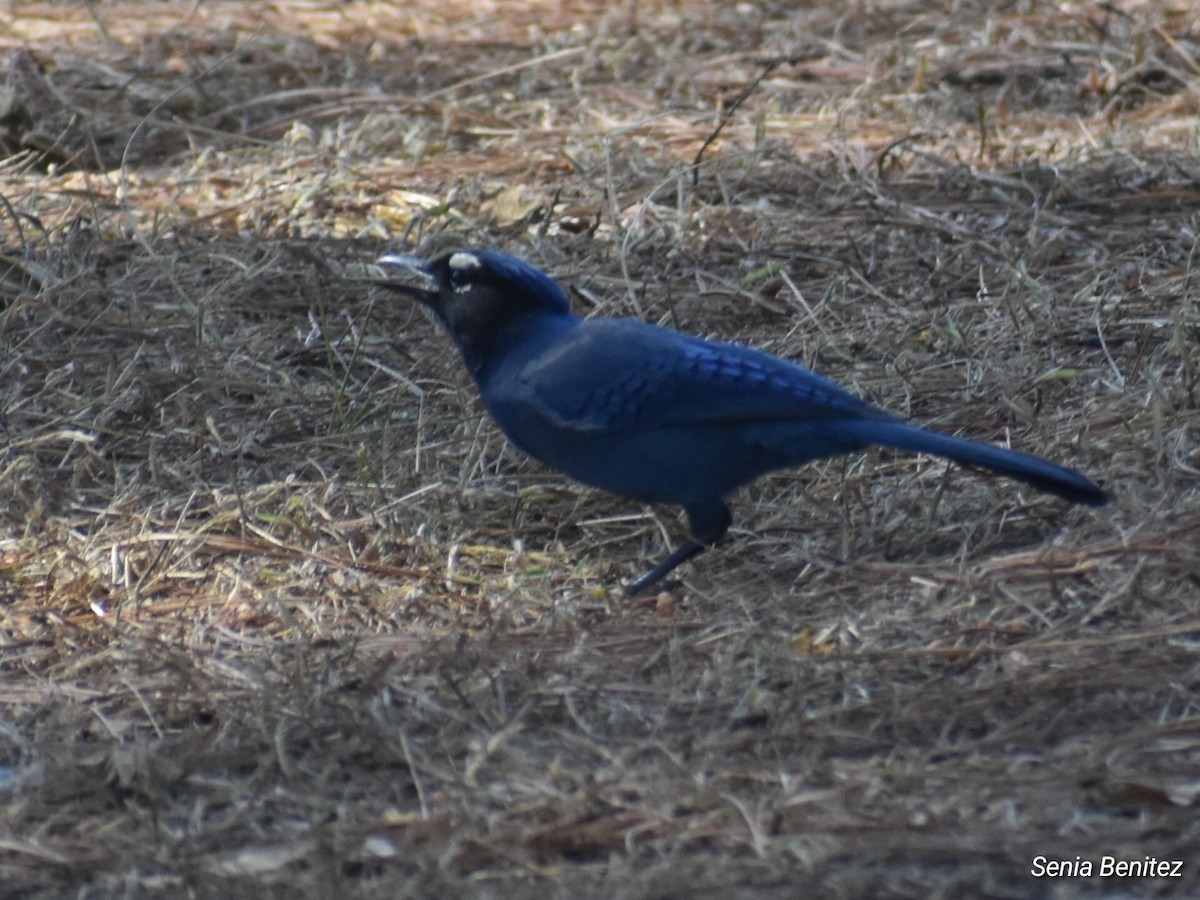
(1034, 470)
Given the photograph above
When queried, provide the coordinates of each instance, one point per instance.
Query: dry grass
(282, 615)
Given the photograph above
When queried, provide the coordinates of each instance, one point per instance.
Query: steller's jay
(653, 414)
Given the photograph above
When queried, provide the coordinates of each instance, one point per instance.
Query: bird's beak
(406, 274)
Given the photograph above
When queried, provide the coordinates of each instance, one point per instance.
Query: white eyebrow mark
(463, 260)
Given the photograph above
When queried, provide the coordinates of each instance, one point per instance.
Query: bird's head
(476, 295)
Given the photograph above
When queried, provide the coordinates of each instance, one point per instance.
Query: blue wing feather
(612, 374)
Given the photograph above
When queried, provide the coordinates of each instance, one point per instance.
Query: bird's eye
(462, 264)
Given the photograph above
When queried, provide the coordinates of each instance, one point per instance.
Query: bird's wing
(611, 374)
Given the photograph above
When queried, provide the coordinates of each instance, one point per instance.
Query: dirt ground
(282, 615)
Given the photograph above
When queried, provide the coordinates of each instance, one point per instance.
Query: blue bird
(653, 414)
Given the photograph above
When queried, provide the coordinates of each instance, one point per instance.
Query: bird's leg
(680, 554)
(708, 521)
